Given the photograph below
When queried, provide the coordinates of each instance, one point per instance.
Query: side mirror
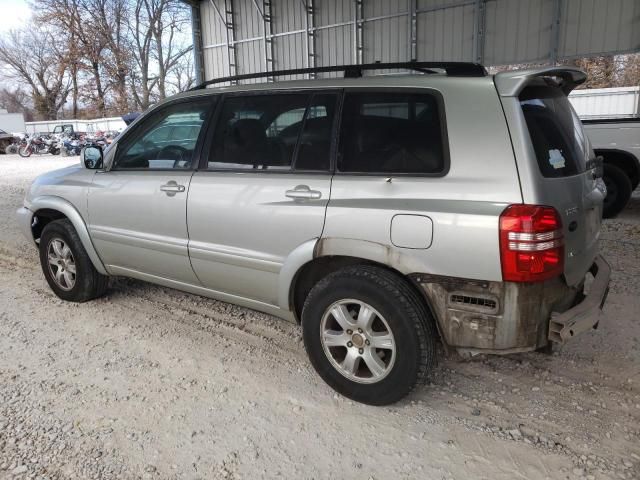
(91, 157)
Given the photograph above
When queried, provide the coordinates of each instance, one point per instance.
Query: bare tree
(170, 20)
(118, 54)
(157, 27)
(630, 76)
(33, 58)
(17, 101)
(142, 79)
(182, 76)
(111, 17)
(78, 19)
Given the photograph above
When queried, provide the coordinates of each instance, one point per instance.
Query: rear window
(560, 144)
(392, 133)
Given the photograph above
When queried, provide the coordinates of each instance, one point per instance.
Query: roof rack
(457, 69)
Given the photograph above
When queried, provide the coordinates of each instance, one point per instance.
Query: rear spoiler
(510, 84)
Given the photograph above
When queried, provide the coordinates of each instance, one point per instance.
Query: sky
(15, 13)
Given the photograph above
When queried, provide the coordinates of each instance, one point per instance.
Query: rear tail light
(531, 243)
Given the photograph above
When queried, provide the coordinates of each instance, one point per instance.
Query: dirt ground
(149, 382)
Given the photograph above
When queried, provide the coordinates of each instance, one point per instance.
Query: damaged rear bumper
(586, 314)
(475, 316)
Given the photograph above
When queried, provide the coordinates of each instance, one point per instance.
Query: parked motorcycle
(39, 145)
(71, 146)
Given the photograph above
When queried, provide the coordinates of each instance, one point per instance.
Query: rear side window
(283, 132)
(558, 139)
(385, 133)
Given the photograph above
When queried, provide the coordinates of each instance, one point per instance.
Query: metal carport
(243, 36)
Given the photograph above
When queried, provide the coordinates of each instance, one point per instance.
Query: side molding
(63, 206)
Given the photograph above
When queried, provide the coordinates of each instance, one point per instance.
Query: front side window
(391, 133)
(274, 132)
(557, 137)
(167, 140)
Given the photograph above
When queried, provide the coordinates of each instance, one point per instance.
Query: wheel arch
(49, 208)
(332, 254)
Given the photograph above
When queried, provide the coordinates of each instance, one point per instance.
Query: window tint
(391, 133)
(167, 139)
(314, 148)
(158, 135)
(247, 134)
(264, 132)
(561, 146)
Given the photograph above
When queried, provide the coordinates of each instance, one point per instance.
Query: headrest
(248, 133)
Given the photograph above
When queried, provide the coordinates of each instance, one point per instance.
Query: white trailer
(88, 126)
(596, 103)
(11, 122)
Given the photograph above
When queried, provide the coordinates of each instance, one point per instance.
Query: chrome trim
(534, 237)
(534, 247)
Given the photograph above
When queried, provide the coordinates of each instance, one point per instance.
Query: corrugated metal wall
(245, 36)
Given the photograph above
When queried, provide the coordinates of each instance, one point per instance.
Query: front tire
(618, 191)
(66, 264)
(368, 334)
(24, 151)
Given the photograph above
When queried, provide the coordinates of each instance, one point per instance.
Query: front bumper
(24, 217)
(586, 314)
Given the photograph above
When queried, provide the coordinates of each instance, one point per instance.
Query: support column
(310, 37)
(198, 55)
(555, 32)
(267, 20)
(413, 30)
(479, 26)
(358, 27)
(230, 34)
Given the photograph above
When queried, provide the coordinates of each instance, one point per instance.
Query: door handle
(171, 188)
(303, 192)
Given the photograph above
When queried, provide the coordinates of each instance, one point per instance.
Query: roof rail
(457, 69)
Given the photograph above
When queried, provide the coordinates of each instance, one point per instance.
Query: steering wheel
(180, 151)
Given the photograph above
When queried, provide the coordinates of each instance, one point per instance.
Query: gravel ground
(149, 382)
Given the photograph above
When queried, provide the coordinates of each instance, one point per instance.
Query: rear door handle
(171, 188)
(303, 192)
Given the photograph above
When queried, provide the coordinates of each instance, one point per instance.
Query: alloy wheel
(358, 341)
(62, 265)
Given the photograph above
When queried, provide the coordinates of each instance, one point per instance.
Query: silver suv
(384, 213)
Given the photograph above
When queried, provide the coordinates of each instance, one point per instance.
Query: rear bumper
(586, 314)
(506, 317)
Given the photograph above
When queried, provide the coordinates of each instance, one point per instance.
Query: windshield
(561, 147)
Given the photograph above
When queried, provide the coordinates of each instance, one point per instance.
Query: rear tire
(66, 264)
(400, 324)
(618, 191)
